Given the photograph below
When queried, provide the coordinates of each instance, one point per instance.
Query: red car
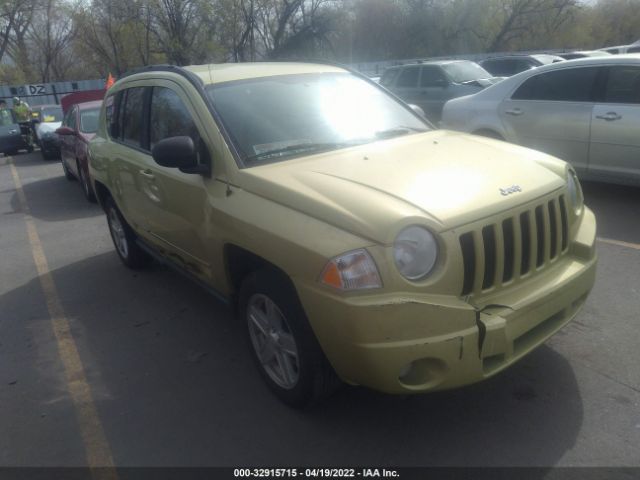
(79, 126)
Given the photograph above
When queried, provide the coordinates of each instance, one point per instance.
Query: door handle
(148, 174)
(609, 117)
(515, 112)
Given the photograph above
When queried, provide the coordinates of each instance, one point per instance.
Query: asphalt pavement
(162, 377)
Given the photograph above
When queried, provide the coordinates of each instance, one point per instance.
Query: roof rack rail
(164, 67)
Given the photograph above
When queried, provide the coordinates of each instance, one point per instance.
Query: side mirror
(178, 152)
(417, 110)
(65, 131)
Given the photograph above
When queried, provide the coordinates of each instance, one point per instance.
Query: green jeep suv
(357, 242)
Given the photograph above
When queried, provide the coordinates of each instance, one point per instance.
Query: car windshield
(280, 117)
(461, 72)
(53, 114)
(89, 120)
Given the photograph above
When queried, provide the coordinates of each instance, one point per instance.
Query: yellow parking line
(619, 243)
(98, 452)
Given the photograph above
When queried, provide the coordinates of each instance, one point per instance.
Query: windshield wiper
(398, 131)
(298, 148)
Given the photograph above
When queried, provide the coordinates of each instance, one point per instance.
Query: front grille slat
(565, 224)
(546, 221)
(478, 249)
(504, 251)
(517, 247)
(556, 218)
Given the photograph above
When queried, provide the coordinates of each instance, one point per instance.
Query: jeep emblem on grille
(510, 190)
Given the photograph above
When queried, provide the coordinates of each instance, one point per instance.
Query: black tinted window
(169, 117)
(496, 67)
(623, 85)
(132, 116)
(389, 76)
(432, 77)
(567, 85)
(408, 77)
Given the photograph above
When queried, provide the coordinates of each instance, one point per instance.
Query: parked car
(633, 48)
(508, 65)
(430, 84)
(356, 241)
(583, 54)
(46, 120)
(12, 138)
(584, 111)
(79, 126)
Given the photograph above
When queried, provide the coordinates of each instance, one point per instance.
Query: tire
(85, 183)
(124, 239)
(282, 343)
(67, 173)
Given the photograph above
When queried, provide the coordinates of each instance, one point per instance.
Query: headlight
(573, 190)
(415, 252)
(352, 271)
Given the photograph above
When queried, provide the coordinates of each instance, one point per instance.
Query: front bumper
(50, 145)
(403, 344)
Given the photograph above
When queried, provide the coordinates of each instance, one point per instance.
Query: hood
(48, 127)
(440, 178)
(484, 82)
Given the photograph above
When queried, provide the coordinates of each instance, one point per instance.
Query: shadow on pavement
(174, 385)
(55, 199)
(617, 209)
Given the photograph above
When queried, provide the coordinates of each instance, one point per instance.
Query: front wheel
(281, 341)
(124, 239)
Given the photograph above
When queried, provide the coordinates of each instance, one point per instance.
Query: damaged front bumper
(399, 344)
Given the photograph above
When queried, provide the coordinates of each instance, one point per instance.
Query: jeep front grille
(508, 249)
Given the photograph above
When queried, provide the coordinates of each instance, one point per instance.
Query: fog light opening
(425, 372)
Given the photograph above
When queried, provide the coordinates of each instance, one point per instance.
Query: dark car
(79, 126)
(509, 65)
(46, 119)
(583, 54)
(12, 138)
(430, 84)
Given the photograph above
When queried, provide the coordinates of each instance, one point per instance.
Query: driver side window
(169, 117)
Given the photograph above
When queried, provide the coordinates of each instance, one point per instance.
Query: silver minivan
(585, 111)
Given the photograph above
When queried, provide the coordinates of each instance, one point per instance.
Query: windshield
(280, 117)
(89, 120)
(53, 114)
(461, 72)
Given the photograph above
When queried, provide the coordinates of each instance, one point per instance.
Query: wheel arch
(102, 192)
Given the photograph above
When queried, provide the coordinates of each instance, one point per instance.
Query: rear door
(406, 86)
(551, 112)
(129, 158)
(435, 90)
(615, 126)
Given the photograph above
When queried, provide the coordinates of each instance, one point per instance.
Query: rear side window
(71, 119)
(567, 85)
(623, 85)
(633, 49)
(131, 118)
(432, 77)
(389, 76)
(169, 117)
(409, 77)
